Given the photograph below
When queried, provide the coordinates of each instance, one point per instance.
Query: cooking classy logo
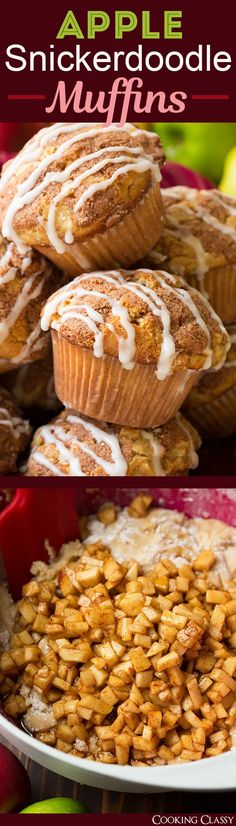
(113, 82)
(185, 820)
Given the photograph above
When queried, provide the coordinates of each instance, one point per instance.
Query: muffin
(26, 281)
(199, 242)
(15, 433)
(128, 346)
(211, 405)
(32, 385)
(75, 446)
(85, 195)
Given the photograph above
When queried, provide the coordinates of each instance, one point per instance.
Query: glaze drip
(132, 158)
(63, 304)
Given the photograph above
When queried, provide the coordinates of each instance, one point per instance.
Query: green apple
(55, 805)
(200, 146)
(228, 182)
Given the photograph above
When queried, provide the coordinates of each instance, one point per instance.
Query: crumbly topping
(15, 432)
(78, 166)
(214, 384)
(145, 316)
(75, 445)
(43, 570)
(26, 281)
(200, 230)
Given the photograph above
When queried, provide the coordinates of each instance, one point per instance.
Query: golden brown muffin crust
(193, 325)
(215, 383)
(175, 444)
(103, 209)
(26, 281)
(15, 433)
(208, 216)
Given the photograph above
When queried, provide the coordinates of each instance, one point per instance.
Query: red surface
(38, 514)
(32, 517)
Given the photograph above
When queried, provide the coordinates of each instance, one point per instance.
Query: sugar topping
(67, 444)
(165, 534)
(16, 424)
(30, 289)
(70, 303)
(127, 158)
(181, 230)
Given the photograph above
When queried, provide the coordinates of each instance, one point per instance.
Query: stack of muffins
(199, 243)
(79, 206)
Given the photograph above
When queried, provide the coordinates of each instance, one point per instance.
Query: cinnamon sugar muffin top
(72, 445)
(144, 316)
(215, 383)
(15, 433)
(72, 180)
(199, 232)
(26, 281)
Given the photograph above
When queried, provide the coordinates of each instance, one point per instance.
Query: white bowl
(210, 774)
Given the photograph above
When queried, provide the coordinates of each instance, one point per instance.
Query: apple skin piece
(174, 174)
(228, 182)
(200, 146)
(14, 782)
(55, 805)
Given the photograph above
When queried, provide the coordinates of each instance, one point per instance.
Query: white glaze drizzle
(188, 301)
(54, 434)
(30, 345)
(29, 189)
(17, 425)
(158, 451)
(181, 230)
(204, 214)
(27, 294)
(8, 276)
(126, 345)
(27, 260)
(193, 457)
(69, 186)
(5, 257)
(183, 193)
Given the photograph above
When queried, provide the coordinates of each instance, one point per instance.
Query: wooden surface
(46, 784)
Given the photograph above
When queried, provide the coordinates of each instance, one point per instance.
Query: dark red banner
(115, 60)
(159, 819)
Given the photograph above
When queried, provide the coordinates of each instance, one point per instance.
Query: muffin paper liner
(217, 418)
(102, 389)
(120, 245)
(220, 287)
